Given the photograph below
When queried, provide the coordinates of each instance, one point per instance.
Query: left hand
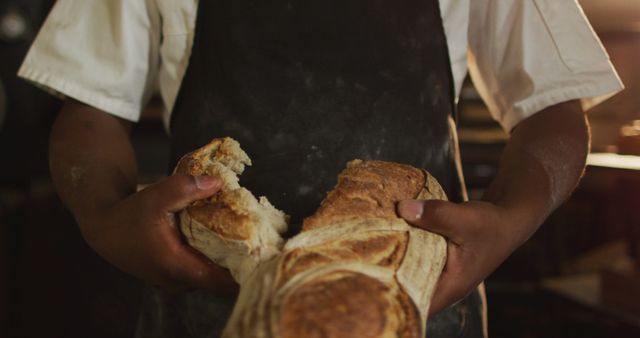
(480, 236)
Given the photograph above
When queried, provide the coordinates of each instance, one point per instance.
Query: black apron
(306, 86)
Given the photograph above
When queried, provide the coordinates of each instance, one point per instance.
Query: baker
(305, 86)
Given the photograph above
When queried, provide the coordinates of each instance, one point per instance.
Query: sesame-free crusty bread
(232, 228)
(355, 270)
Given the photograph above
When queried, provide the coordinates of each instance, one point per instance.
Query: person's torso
(306, 86)
(179, 23)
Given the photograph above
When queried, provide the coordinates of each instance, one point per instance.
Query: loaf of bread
(355, 270)
(232, 228)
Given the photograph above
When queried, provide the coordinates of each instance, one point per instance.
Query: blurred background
(579, 276)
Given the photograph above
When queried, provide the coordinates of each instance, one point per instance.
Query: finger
(433, 215)
(187, 266)
(451, 285)
(444, 294)
(193, 269)
(178, 191)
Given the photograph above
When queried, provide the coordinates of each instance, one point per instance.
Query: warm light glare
(609, 160)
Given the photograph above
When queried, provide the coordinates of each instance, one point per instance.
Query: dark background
(53, 285)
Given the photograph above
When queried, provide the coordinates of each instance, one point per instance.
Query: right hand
(139, 235)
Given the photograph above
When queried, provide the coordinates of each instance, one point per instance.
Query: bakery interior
(578, 276)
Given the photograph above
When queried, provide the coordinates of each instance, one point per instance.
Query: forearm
(541, 165)
(539, 168)
(93, 167)
(91, 160)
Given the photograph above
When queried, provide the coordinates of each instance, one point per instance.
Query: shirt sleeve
(100, 52)
(527, 55)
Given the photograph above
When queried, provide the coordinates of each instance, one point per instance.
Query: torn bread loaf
(355, 270)
(232, 228)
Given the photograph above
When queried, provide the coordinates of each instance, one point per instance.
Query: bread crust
(367, 189)
(355, 270)
(232, 227)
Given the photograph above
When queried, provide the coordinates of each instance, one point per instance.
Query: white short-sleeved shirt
(523, 55)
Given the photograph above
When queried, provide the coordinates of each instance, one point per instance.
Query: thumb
(176, 192)
(432, 215)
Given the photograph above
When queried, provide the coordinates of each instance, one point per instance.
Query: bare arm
(91, 159)
(540, 167)
(94, 170)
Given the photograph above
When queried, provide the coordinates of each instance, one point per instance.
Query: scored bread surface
(355, 270)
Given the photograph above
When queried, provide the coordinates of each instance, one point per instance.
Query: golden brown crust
(367, 189)
(190, 165)
(384, 249)
(225, 151)
(338, 305)
(221, 218)
(232, 228)
(349, 304)
(222, 212)
(194, 163)
(410, 324)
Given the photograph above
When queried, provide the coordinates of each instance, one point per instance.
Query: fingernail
(410, 210)
(206, 182)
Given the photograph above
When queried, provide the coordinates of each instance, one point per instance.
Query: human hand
(480, 236)
(139, 235)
